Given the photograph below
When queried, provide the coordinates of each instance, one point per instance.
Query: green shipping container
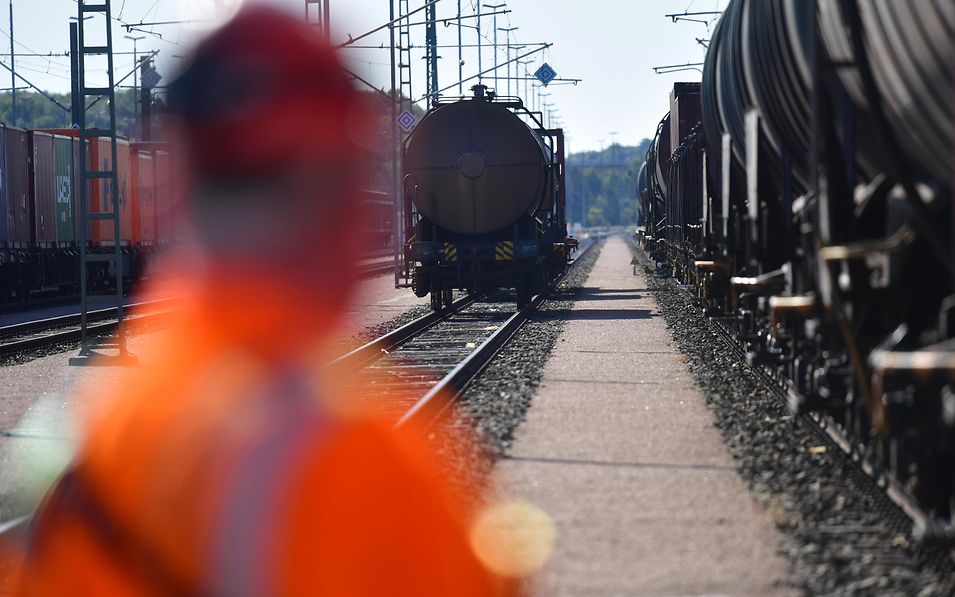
(63, 173)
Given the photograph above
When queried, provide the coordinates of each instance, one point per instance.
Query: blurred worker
(215, 470)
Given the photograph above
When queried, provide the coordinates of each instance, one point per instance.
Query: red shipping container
(134, 195)
(101, 160)
(165, 213)
(144, 192)
(17, 206)
(41, 186)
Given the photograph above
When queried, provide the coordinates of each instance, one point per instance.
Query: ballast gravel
(845, 536)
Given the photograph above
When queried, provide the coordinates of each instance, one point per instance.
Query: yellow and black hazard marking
(450, 252)
(540, 229)
(504, 251)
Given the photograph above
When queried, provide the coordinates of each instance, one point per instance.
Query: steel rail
(437, 400)
(373, 269)
(370, 351)
(15, 524)
(50, 323)
(74, 334)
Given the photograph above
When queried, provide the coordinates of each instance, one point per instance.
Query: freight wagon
(40, 211)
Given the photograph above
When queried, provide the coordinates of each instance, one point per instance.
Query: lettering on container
(63, 189)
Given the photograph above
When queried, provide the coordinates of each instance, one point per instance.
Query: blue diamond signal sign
(151, 78)
(407, 120)
(545, 74)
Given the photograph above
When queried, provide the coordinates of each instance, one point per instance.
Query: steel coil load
(474, 167)
(909, 48)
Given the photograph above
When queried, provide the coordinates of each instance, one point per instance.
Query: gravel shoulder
(846, 537)
(499, 398)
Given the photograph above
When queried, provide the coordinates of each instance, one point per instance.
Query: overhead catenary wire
(133, 26)
(481, 74)
(38, 90)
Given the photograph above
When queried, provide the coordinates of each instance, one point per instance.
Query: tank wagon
(809, 202)
(484, 200)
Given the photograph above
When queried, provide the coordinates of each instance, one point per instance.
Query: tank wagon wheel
(436, 299)
(448, 295)
(419, 283)
(523, 295)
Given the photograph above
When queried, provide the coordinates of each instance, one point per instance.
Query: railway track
(425, 364)
(415, 372)
(42, 333)
(377, 268)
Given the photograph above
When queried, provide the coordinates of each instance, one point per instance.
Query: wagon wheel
(523, 294)
(436, 299)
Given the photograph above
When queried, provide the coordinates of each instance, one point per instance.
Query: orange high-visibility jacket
(211, 474)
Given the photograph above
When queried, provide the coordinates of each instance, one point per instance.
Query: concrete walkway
(621, 451)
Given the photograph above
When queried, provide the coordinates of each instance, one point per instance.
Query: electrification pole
(135, 39)
(145, 102)
(321, 17)
(517, 49)
(507, 31)
(75, 103)
(431, 42)
(526, 77)
(495, 8)
(13, 70)
(395, 155)
(480, 45)
(460, 53)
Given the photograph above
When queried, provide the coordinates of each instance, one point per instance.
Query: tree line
(602, 185)
(37, 112)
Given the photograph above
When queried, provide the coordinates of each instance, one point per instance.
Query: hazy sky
(611, 44)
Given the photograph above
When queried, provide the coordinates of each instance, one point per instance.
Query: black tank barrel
(474, 167)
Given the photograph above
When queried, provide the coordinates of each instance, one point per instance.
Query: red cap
(263, 90)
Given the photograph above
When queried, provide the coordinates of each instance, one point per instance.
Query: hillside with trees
(601, 185)
(37, 112)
